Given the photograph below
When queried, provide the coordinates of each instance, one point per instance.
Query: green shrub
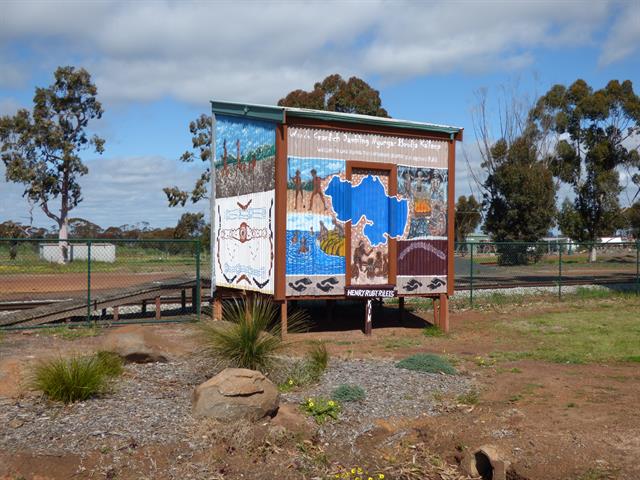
(72, 379)
(427, 362)
(348, 393)
(321, 409)
(249, 336)
(112, 364)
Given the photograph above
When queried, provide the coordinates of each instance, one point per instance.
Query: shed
(313, 204)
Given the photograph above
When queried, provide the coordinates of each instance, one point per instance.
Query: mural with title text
(322, 200)
(245, 196)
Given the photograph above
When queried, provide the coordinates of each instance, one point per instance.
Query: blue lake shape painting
(385, 215)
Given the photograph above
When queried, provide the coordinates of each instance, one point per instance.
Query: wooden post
(194, 299)
(401, 309)
(283, 319)
(436, 312)
(144, 306)
(116, 313)
(217, 306)
(367, 316)
(444, 312)
(103, 313)
(158, 308)
(183, 300)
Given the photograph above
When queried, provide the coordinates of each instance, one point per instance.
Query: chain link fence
(554, 266)
(92, 280)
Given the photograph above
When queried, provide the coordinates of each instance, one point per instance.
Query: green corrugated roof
(279, 114)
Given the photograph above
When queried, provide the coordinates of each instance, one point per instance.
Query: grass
(472, 397)
(399, 343)
(307, 371)
(586, 332)
(348, 393)
(432, 331)
(75, 379)
(250, 336)
(426, 362)
(70, 333)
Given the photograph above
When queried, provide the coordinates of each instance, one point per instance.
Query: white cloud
(624, 37)
(257, 51)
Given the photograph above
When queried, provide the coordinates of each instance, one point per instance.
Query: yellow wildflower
(290, 382)
(353, 470)
(381, 476)
(331, 403)
(359, 470)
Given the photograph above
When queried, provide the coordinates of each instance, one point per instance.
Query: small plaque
(382, 291)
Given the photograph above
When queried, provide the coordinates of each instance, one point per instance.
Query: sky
(157, 64)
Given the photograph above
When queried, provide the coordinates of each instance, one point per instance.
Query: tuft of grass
(318, 357)
(348, 393)
(112, 364)
(307, 371)
(427, 362)
(470, 398)
(432, 331)
(75, 379)
(249, 335)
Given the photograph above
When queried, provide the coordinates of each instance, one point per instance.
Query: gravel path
(390, 392)
(151, 404)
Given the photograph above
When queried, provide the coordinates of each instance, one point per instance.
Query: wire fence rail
(125, 281)
(93, 280)
(557, 267)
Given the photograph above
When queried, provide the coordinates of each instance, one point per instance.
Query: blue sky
(158, 63)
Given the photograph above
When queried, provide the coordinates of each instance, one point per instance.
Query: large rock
(136, 343)
(236, 393)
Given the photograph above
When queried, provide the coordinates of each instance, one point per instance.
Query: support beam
(436, 312)
(103, 313)
(217, 306)
(158, 308)
(116, 313)
(194, 299)
(144, 306)
(401, 310)
(444, 312)
(283, 319)
(183, 300)
(368, 313)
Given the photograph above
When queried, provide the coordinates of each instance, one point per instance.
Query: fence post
(471, 278)
(560, 272)
(89, 282)
(197, 296)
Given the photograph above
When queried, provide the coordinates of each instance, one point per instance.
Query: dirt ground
(550, 420)
(56, 286)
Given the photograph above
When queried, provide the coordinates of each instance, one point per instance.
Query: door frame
(392, 168)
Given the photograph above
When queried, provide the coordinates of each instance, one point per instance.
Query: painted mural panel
(245, 156)
(342, 145)
(315, 238)
(421, 284)
(426, 190)
(245, 247)
(375, 217)
(422, 257)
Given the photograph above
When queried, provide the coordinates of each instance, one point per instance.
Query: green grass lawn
(589, 331)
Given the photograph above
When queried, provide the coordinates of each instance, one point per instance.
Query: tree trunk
(63, 235)
(593, 254)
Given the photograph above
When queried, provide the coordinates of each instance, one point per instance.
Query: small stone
(16, 423)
